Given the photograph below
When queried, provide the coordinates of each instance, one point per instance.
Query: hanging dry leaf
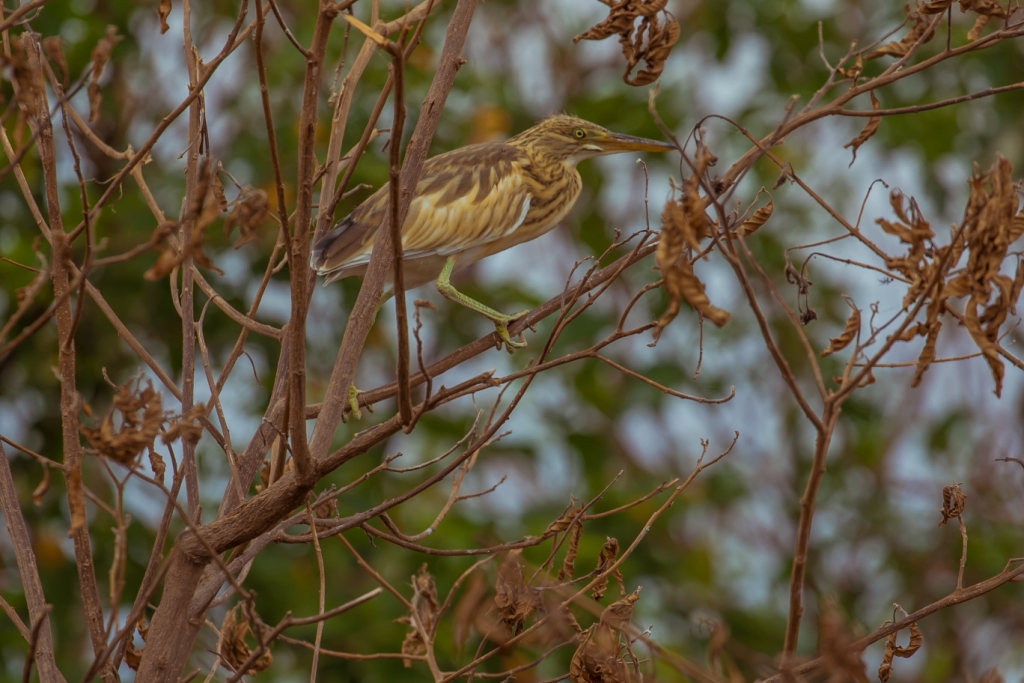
(184, 427)
(423, 615)
(609, 551)
(953, 502)
(979, 26)
(53, 46)
(234, 649)
(597, 659)
(683, 225)
(249, 211)
(163, 11)
(841, 662)
(100, 57)
(568, 516)
(650, 42)
(935, 6)
(514, 600)
(760, 217)
(27, 77)
(920, 32)
(849, 333)
(894, 650)
(133, 656)
(141, 419)
(569, 562)
(44, 485)
(868, 131)
(987, 8)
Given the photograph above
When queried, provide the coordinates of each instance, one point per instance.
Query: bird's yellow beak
(614, 142)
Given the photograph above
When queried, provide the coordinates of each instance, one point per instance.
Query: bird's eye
(579, 133)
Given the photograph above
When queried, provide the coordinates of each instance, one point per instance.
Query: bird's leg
(500, 320)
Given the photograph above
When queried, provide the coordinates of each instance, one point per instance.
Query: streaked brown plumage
(477, 201)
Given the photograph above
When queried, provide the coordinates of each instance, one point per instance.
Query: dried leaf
(165, 263)
(158, 465)
(841, 661)
(163, 11)
(924, 360)
(850, 331)
(979, 26)
(935, 7)
(609, 551)
(514, 600)
(650, 42)
(44, 485)
(868, 131)
(184, 427)
(569, 562)
(424, 614)
(27, 76)
(894, 650)
(597, 659)
(953, 502)
(760, 217)
(250, 210)
(141, 419)
(571, 512)
(100, 57)
(233, 647)
(133, 656)
(919, 31)
(987, 8)
(53, 46)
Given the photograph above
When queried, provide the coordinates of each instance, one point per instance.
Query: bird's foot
(353, 403)
(501, 324)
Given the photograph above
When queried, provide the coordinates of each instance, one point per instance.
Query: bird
(476, 201)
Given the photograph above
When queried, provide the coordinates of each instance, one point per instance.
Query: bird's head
(570, 139)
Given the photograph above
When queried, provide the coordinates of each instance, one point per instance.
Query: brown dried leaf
(234, 649)
(141, 420)
(158, 465)
(469, 607)
(650, 42)
(569, 563)
(133, 656)
(924, 360)
(935, 7)
(27, 76)
(760, 217)
(869, 129)
(849, 333)
(841, 661)
(609, 551)
(165, 263)
(920, 31)
(571, 512)
(163, 11)
(988, 8)
(953, 502)
(894, 650)
(250, 210)
(184, 427)
(53, 46)
(423, 616)
(514, 600)
(979, 26)
(100, 57)
(597, 658)
(44, 485)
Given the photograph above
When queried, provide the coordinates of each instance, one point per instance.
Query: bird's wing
(465, 199)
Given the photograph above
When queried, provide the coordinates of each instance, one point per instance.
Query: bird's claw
(501, 326)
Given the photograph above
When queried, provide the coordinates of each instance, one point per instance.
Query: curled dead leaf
(760, 217)
(870, 129)
(849, 333)
(650, 42)
(569, 562)
(234, 649)
(894, 650)
(514, 600)
(100, 57)
(53, 46)
(163, 11)
(141, 419)
(423, 615)
(953, 502)
(920, 33)
(44, 485)
(609, 551)
(249, 211)
(598, 658)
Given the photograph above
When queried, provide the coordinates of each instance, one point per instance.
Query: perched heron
(477, 201)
